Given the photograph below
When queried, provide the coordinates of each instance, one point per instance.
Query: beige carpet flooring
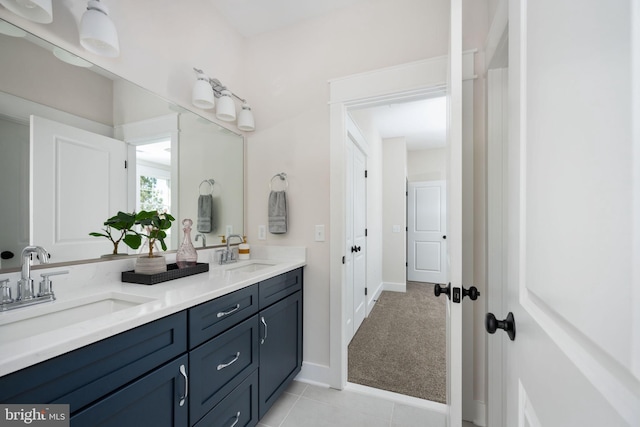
(401, 346)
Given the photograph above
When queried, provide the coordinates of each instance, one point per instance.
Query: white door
(78, 180)
(359, 237)
(573, 247)
(355, 227)
(454, 216)
(427, 234)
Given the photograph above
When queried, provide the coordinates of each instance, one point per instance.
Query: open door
(572, 308)
(454, 219)
(78, 180)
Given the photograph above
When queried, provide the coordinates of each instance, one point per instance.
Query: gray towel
(205, 213)
(277, 212)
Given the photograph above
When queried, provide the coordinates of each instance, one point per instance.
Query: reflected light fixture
(206, 89)
(34, 10)
(98, 34)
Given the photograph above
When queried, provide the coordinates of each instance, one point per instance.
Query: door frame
(415, 80)
(497, 118)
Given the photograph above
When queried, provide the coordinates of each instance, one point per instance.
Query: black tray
(173, 272)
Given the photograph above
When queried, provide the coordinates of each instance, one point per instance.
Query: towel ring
(207, 181)
(283, 177)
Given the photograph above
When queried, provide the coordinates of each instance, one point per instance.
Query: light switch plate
(397, 228)
(229, 230)
(262, 232)
(319, 235)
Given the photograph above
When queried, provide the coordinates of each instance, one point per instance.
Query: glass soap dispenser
(186, 255)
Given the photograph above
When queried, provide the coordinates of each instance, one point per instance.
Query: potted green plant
(153, 225)
(119, 228)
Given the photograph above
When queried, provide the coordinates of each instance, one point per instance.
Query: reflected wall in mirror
(65, 134)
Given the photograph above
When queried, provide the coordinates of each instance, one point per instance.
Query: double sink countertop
(93, 304)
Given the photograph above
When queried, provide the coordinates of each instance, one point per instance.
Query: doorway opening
(401, 345)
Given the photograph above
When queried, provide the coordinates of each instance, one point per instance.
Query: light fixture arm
(216, 85)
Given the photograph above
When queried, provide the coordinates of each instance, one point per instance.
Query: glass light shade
(202, 95)
(245, 119)
(98, 34)
(226, 109)
(33, 10)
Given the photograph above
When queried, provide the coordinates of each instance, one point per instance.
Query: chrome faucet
(204, 239)
(26, 294)
(227, 256)
(25, 284)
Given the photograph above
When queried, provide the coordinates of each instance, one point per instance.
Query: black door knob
(508, 325)
(358, 249)
(438, 289)
(444, 237)
(353, 249)
(472, 293)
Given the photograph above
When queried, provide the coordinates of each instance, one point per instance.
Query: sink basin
(248, 268)
(38, 319)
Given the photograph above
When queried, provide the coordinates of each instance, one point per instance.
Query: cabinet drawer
(220, 365)
(84, 375)
(211, 318)
(153, 400)
(276, 288)
(240, 405)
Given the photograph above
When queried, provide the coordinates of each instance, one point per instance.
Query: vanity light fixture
(34, 10)
(206, 89)
(245, 118)
(98, 34)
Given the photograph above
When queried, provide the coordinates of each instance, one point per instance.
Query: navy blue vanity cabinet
(83, 376)
(157, 399)
(220, 365)
(280, 336)
(239, 408)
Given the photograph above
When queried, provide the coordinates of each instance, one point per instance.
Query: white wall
(394, 212)
(427, 165)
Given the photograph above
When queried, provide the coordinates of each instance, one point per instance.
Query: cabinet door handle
(265, 330)
(226, 313)
(237, 417)
(183, 371)
(224, 365)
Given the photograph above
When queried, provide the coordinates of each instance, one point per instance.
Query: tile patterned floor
(304, 405)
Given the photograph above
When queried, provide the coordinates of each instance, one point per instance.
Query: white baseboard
(480, 417)
(312, 373)
(394, 287)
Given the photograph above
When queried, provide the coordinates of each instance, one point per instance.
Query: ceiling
(422, 123)
(252, 17)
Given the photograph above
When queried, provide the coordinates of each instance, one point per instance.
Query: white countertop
(166, 298)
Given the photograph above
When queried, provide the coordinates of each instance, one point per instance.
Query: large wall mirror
(80, 144)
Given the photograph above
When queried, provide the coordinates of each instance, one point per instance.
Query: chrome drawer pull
(265, 330)
(186, 385)
(224, 365)
(237, 419)
(226, 313)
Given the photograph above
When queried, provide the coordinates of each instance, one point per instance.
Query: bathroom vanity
(219, 350)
